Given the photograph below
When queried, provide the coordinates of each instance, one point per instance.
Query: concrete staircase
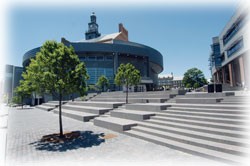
(214, 131)
(49, 105)
(86, 98)
(236, 100)
(139, 97)
(86, 110)
(213, 126)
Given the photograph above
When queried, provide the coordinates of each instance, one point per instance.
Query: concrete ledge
(108, 99)
(82, 116)
(142, 99)
(57, 102)
(208, 95)
(98, 104)
(115, 124)
(132, 115)
(46, 108)
(199, 100)
(148, 106)
(94, 110)
(211, 106)
(50, 104)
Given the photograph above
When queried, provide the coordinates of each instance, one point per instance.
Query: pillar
(242, 71)
(223, 75)
(115, 62)
(218, 77)
(230, 74)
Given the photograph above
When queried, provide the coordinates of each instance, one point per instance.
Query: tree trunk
(127, 94)
(22, 102)
(60, 115)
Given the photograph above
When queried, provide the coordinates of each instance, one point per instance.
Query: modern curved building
(102, 55)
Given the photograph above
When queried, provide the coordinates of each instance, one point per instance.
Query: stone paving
(27, 126)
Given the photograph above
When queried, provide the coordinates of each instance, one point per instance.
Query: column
(115, 62)
(242, 71)
(218, 77)
(230, 74)
(223, 75)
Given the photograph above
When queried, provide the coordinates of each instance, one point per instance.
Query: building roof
(164, 75)
(178, 78)
(102, 39)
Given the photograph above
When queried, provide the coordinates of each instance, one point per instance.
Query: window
(109, 58)
(82, 58)
(95, 73)
(236, 47)
(99, 58)
(91, 58)
(234, 29)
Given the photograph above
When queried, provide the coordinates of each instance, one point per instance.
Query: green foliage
(92, 88)
(188, 85)
(194, 78)
(16, 100)
(23, 91)
(103, 83)
(57, 70)
(196, 85)
(127, 75)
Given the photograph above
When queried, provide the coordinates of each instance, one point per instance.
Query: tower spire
(92, 28)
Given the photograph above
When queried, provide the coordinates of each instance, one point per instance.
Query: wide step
(215, 137)
(132, 115)
(110, 105)
(116, 124)
(199, 100)
(215, 115)
(44, 107)
(217, 146)
(203, 128)
(82, 116)
(202, 123)
(187, 148)
(88, 109)
(209, 110)
(148, 106)
(212, 106)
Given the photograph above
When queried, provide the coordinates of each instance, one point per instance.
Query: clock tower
(92, 28)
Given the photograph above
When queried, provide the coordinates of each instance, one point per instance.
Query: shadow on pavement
(84, 140)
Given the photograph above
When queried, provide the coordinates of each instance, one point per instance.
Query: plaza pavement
(27, 126)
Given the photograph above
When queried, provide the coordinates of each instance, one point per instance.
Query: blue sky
(181, 33)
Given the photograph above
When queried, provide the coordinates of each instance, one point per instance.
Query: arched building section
(102, 55)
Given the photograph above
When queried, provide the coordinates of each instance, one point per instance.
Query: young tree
(127, 75)
(22, 91)
(57, 70)
(102, 82)
(194, 78)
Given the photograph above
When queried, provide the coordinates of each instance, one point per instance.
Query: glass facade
(215, 58)
(98, 65)
(234, 29)
(236, 47)
(95, 73)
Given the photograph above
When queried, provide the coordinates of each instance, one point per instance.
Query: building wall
(13, 74)
(234, 51)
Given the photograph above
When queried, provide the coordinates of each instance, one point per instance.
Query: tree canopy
(102, 83)
(194, 78)
(127, 75)
(57, 70)
(22, 91)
